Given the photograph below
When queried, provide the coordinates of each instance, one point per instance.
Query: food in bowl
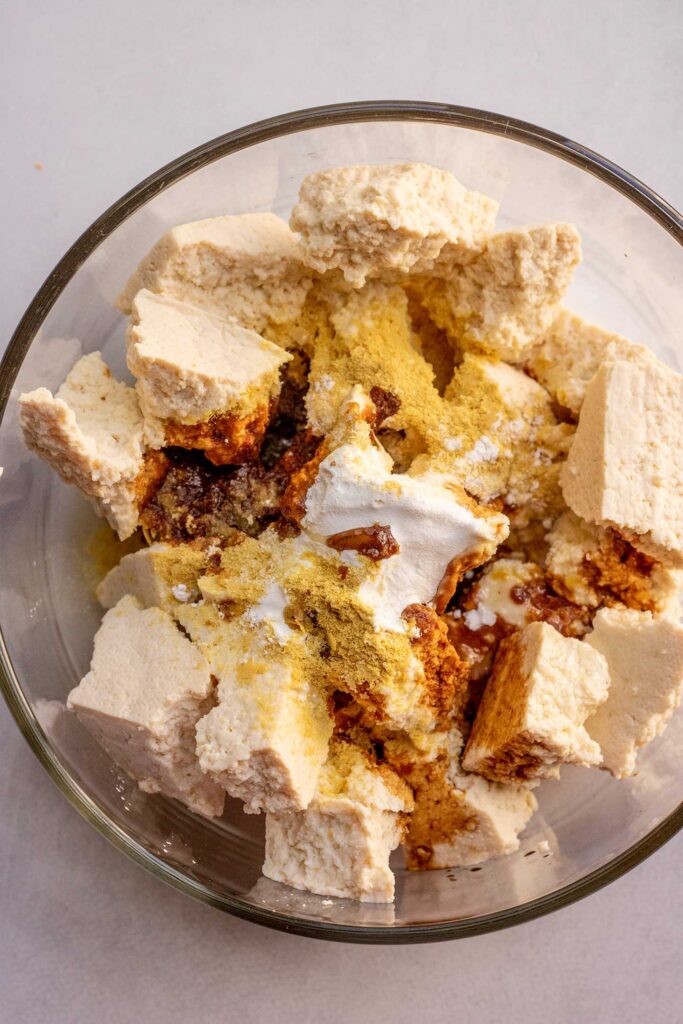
(406, 552)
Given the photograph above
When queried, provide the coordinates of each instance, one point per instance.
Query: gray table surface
(94, 95)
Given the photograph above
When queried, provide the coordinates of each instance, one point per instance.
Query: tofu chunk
(366, 221)
(507, 596)
(594, 566)
(160, 576)
(340, 845)
(510, 594)
(625, 466)
(505, 298)
(92, 433)
(267, 737)
(146, 689)
(369, 342)
(459, 819)
(497, 815)
(572, 351)
(506, 441)
(202, 380)
(531, 718)
(247, 266)
(499, 594)
(645, 660)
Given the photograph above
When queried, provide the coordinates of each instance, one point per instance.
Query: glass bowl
(589, 829)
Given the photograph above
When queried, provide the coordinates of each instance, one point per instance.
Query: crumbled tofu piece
(369, 220)
(304, 331)
(190, 364)
(572, 351)
(336, 847)
(247, 266)
(625, 466)
(506, 441)
(504, 299)
(267, 737)
(512, 395)
(531, 718)
(146, 689)
(369, 342)
(159, 576)
(570, 540)
(492, 595)
(340, 845)
(245, 569)
(459, 819)
(515, 390)
(439, 530)
(92, 433)
(516, 593)
(248, 581)
(593, 566)
(495, 814)
(645, 660)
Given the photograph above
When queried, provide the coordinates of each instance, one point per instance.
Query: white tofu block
(625, 466)
(246, 266)
(542, 688)
(571, 353)
(146, 689)
(191, 364)
(394, 217)
(340, 845)
(505, 298)
(92, 433)
(267, 737)
(160, 576)
(645, 660)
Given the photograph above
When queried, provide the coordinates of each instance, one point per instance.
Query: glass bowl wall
(589, 829)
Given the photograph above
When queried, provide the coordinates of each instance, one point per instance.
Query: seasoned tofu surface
(409, 530)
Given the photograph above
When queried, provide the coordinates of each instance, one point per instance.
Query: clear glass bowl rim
(285, 124)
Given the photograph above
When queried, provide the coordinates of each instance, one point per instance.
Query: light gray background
(102, 93)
